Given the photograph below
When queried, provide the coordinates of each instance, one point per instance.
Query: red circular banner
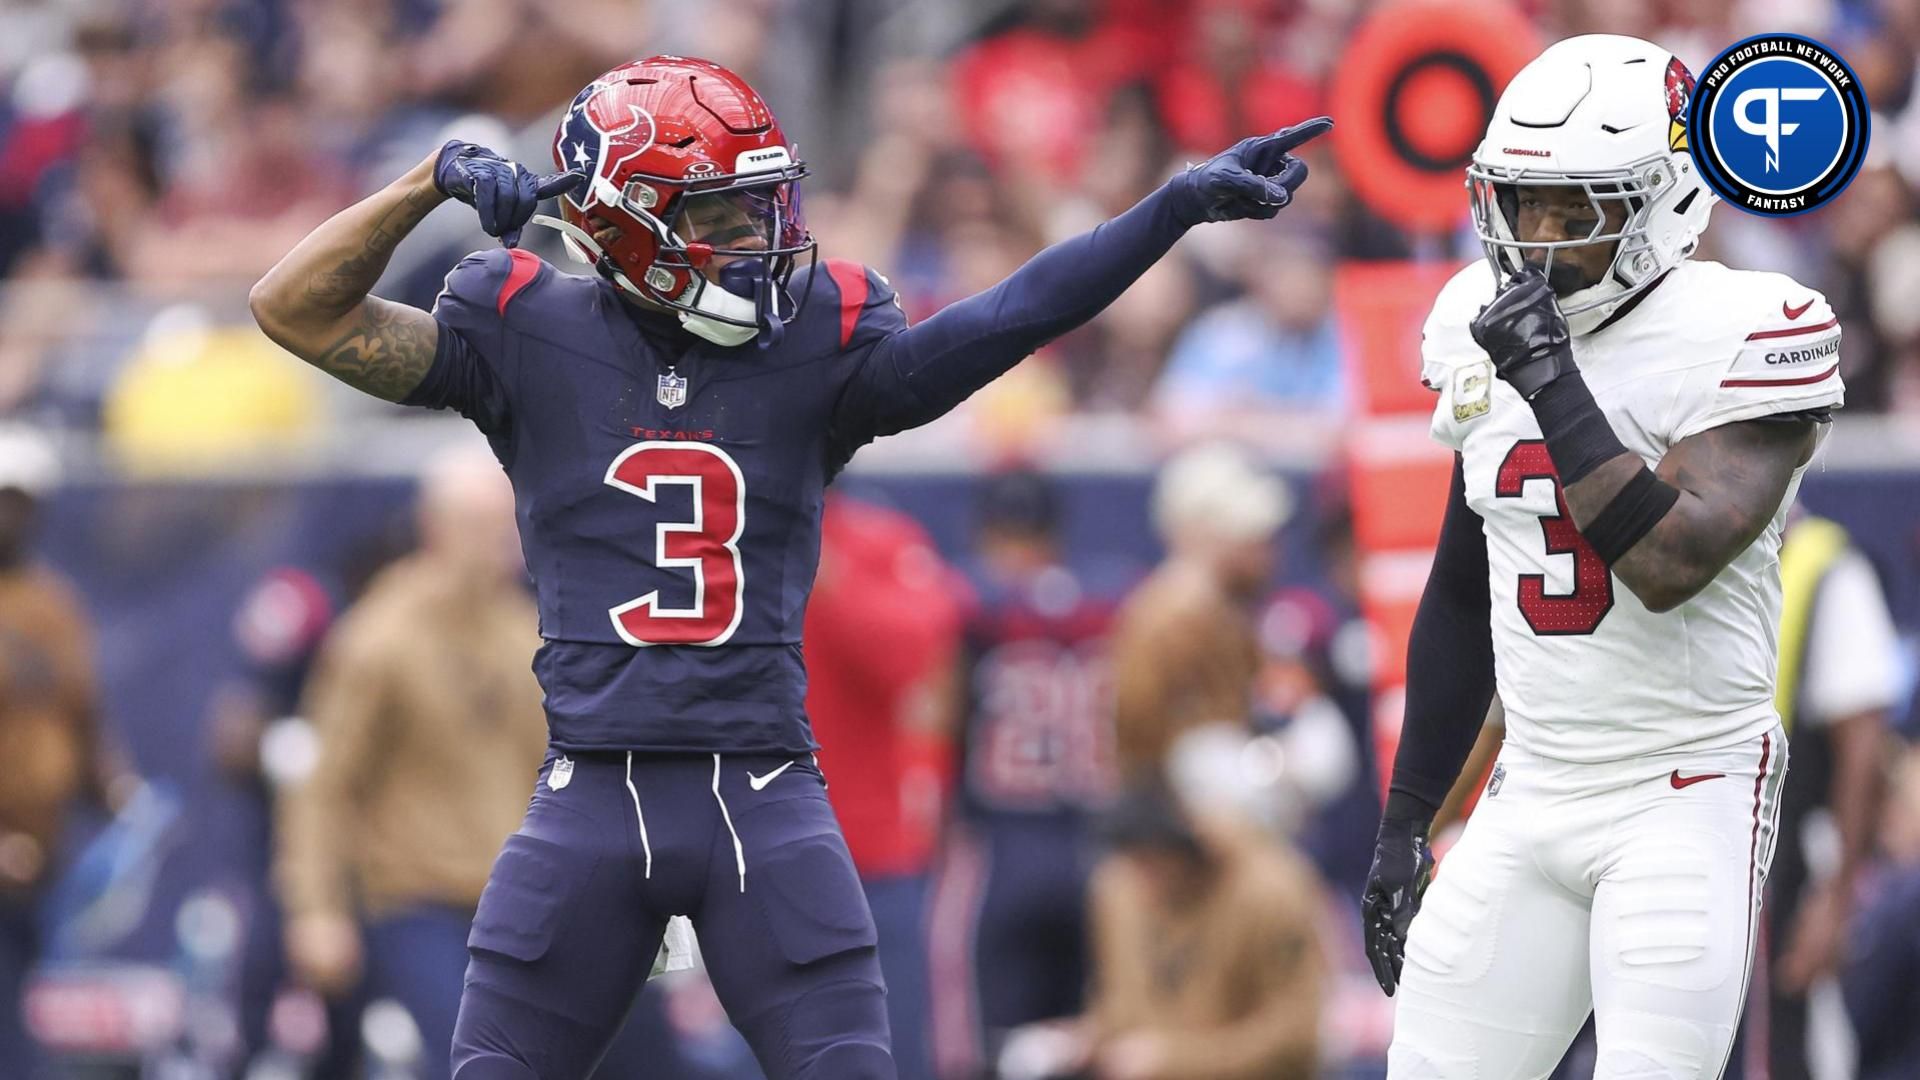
(1414, 92)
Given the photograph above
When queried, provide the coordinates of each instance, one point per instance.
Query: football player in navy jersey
(1008, 932)
(670, 423)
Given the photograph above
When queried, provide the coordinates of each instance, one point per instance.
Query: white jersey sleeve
(1781, 354)
(1452, 364)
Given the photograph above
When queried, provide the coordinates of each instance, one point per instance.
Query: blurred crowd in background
(156, 156)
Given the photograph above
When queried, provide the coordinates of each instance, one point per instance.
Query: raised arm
(1727, 482)
(1665, 533)
(316, 301)
(915, 375)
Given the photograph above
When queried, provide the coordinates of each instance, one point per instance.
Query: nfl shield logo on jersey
(1495, 781)
(673, 390)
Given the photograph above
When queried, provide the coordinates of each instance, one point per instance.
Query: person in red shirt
(882, 636)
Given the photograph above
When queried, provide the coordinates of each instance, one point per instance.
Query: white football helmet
(1607, 114)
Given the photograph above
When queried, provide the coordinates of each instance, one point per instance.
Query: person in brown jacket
(1207, 958)
(52, 752)
(430, 735)
(1185, 648)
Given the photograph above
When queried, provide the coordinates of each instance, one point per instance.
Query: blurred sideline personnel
(670, 424)
(429, 731)
(1009, 929)
(883, 641)
(254, 722)
(1839, 678)
(52, 751)
(1186, 647)
(1881, 979)
(1207, 959)
(1616, 863)
(259, 741)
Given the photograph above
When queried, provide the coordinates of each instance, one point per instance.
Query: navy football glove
(1254, 178)
(1402, 866)
(1525, 334)
(504, 192)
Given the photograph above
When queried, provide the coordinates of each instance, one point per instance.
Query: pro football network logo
(1778, 125)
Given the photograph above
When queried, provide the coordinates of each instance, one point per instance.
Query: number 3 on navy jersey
(709, 545)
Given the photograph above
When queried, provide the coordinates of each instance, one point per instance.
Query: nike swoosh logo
(1793, 313)
(759, 782)
(1679, 781)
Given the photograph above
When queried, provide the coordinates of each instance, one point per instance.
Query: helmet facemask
(1634, 192)
(761, 233)
(758, 228)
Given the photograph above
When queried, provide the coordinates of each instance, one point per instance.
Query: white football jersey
(1585, 671)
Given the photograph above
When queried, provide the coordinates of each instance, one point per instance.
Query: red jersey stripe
(525, 265)
(1804, 380)
(851, 278)
(1793, 331)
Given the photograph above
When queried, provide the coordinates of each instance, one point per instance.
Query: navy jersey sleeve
(469, 364)
(907, 376)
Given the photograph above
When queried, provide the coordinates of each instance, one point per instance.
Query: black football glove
(1402, 866)
(504, 192)
(1254, 178)
(1525, 334)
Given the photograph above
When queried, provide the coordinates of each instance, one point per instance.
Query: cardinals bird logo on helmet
(1679, 96)
(671, 145)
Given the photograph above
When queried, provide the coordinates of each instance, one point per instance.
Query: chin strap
(707, 299)
(712, 307)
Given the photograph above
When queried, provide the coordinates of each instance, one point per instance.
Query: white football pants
(1629, 889)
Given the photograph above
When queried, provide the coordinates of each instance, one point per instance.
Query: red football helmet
(672, 144)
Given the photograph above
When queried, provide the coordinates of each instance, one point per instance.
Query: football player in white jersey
(1630, 428)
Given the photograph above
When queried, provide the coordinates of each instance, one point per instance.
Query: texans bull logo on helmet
(652, 137)
(583, 142)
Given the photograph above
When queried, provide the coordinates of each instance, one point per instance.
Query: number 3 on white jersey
(708, 545)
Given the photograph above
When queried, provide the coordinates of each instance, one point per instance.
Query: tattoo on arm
(344, 283)
(1731, 481)
(383, 349)
(316, 302)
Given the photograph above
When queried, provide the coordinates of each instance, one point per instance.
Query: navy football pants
(578, 901)
(1008, 935)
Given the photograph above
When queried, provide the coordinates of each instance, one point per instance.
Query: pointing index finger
(1299, 134)
(559, 184)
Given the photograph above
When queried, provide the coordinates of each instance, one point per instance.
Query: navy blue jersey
(669, 490)
(1038, 737)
